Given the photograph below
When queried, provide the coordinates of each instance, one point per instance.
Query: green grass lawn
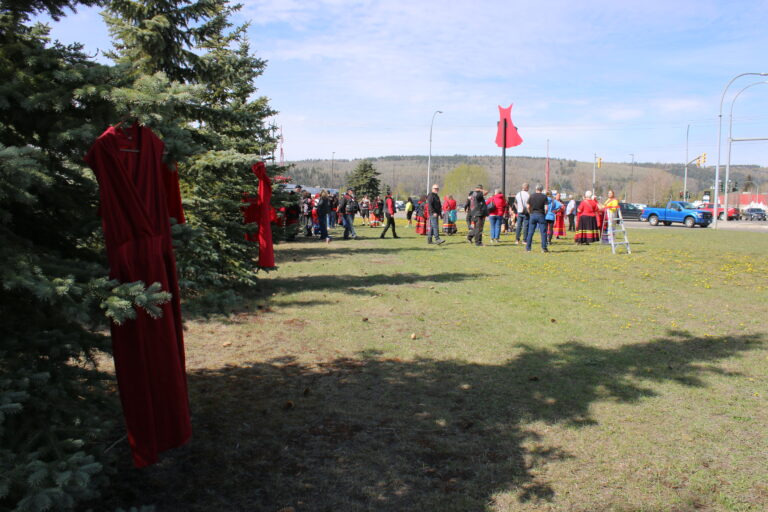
(390, 375)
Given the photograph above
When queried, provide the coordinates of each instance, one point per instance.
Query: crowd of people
(520, 216)
(324, 211)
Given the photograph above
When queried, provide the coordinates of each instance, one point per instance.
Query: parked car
(754, 214)
(677, 211)
(629, 211)
(400, 205)
(733, 213)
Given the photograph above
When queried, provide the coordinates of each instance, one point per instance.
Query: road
(734, 225)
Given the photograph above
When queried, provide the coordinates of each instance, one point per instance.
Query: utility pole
(685, 176)
(631, 176)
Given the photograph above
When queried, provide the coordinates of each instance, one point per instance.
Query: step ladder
(614, 231)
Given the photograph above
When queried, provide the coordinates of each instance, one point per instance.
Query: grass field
(388, 375)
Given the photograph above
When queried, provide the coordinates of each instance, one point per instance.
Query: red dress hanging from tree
(264, 216)
(138, 194)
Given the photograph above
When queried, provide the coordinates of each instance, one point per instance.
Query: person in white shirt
(570, 211)
(521, 204)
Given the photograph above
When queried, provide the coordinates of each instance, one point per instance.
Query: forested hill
(646, 182)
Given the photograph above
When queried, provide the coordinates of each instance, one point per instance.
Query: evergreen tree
(364, 179)
(55, 414)
(216, 135)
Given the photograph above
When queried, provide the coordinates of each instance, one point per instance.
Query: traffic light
(721, 186)
(735, 186)
(599, 163)
(703, 159)
(698, 161)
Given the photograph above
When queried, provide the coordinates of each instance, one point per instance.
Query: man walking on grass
(348, 208)
(537, 206)
(435, 209)
(389, 211)
(570, 211)
(478, 211)
(523, 215)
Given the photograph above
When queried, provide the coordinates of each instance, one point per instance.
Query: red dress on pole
(138, 194)
(513, 137)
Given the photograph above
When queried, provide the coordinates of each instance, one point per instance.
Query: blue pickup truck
(677, 211)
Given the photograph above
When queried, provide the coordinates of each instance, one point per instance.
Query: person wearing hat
(435, 209)
(389, 211)
(478, 211)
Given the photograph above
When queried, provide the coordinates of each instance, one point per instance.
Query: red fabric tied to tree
(513, 138)
(263, 216)
(138, 194)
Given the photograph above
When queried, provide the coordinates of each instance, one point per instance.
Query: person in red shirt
(389, 212)
(449, 215)
(496, 206)
(587, 230)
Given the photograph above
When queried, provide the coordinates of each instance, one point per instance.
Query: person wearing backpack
(496, 206)
(478, 211)
(421, 216)
(348, 207)
(523, 216)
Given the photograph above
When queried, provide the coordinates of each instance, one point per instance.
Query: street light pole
(719, 137)
(631, 176)
(333, 157)
(730, 143)
(685, 178)
(429, 159)
(594, 172)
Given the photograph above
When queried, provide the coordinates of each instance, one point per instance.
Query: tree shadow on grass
(251, 299)
(361, 285)
(321, 250)
(388, 435)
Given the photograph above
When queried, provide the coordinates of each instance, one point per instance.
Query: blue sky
(362, 79)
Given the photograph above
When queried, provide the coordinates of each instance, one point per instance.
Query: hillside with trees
(643, 183)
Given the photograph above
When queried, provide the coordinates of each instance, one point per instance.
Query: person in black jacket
(478, 211)
(323, 210)
(348, 207)
(389, 212)
(435, 209)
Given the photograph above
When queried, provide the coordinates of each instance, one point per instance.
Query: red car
(733, 213)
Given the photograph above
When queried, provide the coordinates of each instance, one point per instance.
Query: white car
(400, 205)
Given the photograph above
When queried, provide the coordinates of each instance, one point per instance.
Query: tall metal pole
(546, 174)
(685, 178)
(719, 140)
(631, 176)
(730, 143)
(429, 159)
(504, 160)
